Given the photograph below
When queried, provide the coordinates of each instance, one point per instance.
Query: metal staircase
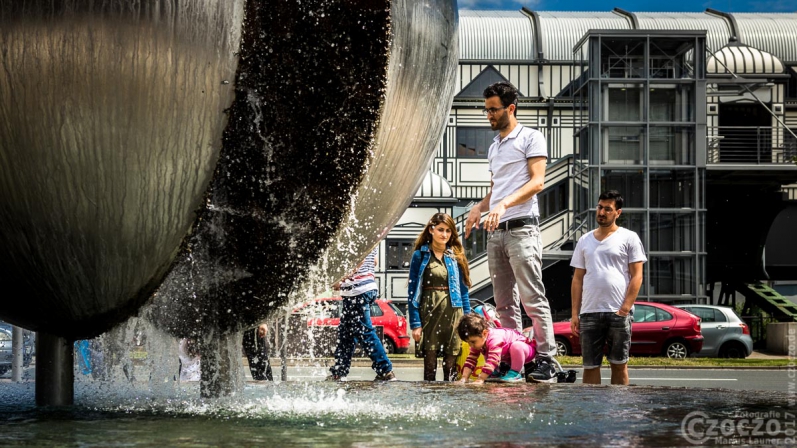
(769, 300)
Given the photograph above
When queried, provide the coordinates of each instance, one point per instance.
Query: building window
(474, 141)
(672, 189)
(553, 200)
(399, 253)
(672, 145)
(625, 103)
(671, 275)
(671, 104)
(476, 244)
(675, 232)
(630, 184)
(623, 145)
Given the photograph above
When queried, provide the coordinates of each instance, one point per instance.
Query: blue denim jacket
(457, 289)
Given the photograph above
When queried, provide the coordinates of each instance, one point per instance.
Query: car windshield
(396, 310)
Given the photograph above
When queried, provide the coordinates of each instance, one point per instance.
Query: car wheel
(390, 347)
(563, 347)
(676, 350)
(732, 349)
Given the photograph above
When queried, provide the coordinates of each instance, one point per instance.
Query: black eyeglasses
(492, 110)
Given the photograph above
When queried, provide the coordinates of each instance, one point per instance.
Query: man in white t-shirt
(608, 274)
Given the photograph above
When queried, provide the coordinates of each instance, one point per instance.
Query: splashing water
(374, 414)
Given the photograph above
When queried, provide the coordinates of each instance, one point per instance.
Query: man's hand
(575, 325)
(494, 217)
(474, 218)
(622, 313)
(416, 334)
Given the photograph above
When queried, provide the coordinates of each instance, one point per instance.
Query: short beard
(606, 224)
(500, 124)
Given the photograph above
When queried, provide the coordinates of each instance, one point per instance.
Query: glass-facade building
(639, 110)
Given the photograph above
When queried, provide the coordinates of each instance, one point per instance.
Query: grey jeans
(515, 260)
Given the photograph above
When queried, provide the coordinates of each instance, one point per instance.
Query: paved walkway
(766, 355)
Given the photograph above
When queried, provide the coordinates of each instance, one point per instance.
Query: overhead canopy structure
(746, 61)
(435, 188)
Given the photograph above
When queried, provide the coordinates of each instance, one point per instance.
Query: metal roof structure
(773, 33)
(718, 31)
(495, 35)
(510, 35)
(561, 30)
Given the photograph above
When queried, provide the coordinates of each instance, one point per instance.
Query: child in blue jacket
(438, 295)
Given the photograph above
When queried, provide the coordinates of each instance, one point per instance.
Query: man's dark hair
(503, 90)
(612, 195)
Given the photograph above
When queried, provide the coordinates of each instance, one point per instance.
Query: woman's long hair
(454, 243)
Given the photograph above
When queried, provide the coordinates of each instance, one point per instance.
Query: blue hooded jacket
(457, 288)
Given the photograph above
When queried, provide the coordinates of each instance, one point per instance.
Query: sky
(635, 5)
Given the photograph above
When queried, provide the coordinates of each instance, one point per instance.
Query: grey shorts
(604, 330)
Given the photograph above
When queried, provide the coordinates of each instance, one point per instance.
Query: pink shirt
(496, 349)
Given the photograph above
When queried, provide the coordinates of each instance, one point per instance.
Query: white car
(725, 335)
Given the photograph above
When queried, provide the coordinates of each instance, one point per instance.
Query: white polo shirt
(508, 162)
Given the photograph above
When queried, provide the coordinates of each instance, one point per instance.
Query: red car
(325, 312)
(657, 329)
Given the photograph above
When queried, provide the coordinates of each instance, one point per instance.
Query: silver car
(725, 335)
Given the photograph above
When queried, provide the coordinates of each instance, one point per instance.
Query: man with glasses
(608, 274)
(517, 160)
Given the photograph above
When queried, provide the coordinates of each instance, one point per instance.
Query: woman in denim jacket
(438, 295)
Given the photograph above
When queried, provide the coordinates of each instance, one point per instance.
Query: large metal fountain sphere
(321, 114)
(111, 115)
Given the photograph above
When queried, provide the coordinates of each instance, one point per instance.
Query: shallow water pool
(365, 414)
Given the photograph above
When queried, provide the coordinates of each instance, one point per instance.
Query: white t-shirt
(606, 262)
(508, 162)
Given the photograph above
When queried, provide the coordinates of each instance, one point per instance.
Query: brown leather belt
(435, 288)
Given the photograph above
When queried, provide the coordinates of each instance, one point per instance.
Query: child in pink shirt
(497, 345)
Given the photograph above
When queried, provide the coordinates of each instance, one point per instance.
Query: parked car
(326, 312)
(725, 335)
(6, 354)
(657, 330)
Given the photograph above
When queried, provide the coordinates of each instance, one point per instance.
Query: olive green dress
(438, 317)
